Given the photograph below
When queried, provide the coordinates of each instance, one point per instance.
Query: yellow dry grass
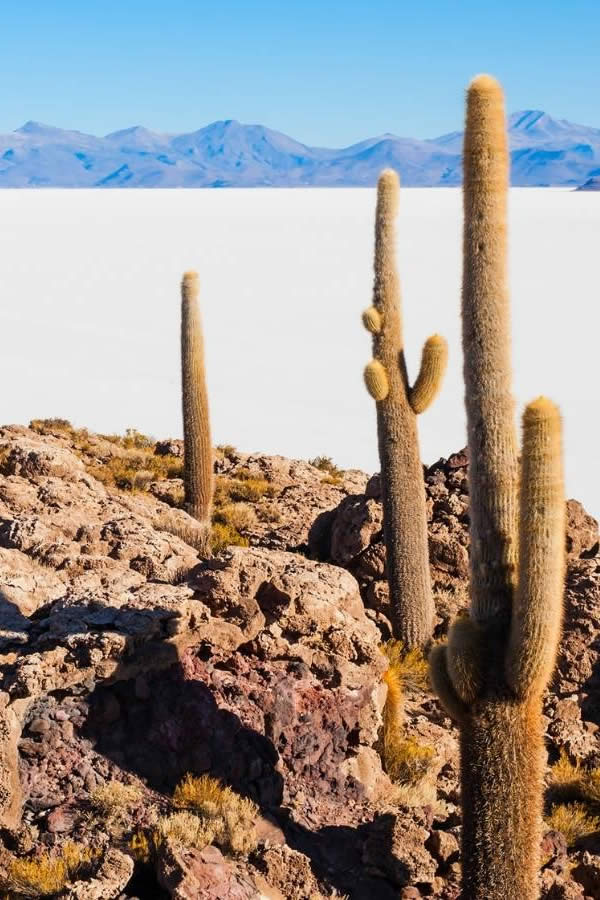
(573, 821)
(47, 874)
(227, 817)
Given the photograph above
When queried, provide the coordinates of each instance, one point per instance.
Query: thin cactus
(198, 454)
(493, 671)
(398, 403)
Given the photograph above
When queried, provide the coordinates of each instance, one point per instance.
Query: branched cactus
(491, 674)
(198, 456)
(398, 403)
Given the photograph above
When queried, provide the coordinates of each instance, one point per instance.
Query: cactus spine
(397, 405)
(493, 671)
(198, 457)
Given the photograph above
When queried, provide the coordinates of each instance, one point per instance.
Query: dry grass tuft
(225, 451)
(334, 475)
(194, 792)
(47, 874)
(140, 846)
(44, 426)
(134, 438)
(269, 512)
(566, 778)
(229, 818)
(223, 536)
(406, 761)
(136, 469)
(424, 793)
(184, 828)
(241, 488)
(572, 781)
(592, 786)
(573, 821)
(325, 464)
(191, 533)
(114, 802)
(409, 668)
(240, 516)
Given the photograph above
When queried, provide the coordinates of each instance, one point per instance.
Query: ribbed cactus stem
(403, 492)
(431, 374)
(537, 613)
(492, 673)
(493, 472)
(198, 455)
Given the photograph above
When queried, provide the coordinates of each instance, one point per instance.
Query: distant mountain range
(544, 151)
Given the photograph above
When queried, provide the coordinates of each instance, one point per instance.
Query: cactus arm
(442, 683)
(537, 613)
(198, 454)
(465, 659)
(493, 465)
(434, 360)
(372, 320)
(376, 380)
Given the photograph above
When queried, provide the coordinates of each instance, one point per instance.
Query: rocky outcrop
(125, 659)
(113, 875)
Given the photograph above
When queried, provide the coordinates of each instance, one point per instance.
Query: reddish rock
(553, 846)
(191, 874)
(396, 845)
(443, 846)
(60, 820)
(112, 876)
(555, 887)
(170, 447)
(587, 873)
(582, 531)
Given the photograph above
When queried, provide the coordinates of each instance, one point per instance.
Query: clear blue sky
(325, 71)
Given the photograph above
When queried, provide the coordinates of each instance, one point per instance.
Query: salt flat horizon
(90, 318)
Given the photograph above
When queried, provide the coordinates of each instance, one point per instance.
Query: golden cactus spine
(403, 492)
(198, 455)
(491, 674)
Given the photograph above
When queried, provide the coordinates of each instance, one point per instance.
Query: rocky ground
(128, 662)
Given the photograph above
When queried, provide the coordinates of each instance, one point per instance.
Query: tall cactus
(398, 404)
(491, 674)
(198, 456)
